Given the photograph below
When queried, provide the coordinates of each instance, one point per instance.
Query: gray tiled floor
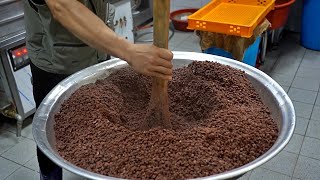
(295, 144)
(32, 164)
(302, 109)
(303, 96)
(301, 125)
(8, 140)
(316, 113)
(302, 76)
(313, 129)
(307, 72)
(23, 173)
(283, 163)
(283, 80)
(7, 167)
(311, 148)
(296, 69)
(22, 152)
(306, 83)
(318, 100)
(265, 174)
(307, 169)
(285, 88)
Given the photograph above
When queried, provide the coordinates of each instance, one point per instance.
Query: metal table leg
(272, 37)
(264, 46)
(19, 124)
(12, 114)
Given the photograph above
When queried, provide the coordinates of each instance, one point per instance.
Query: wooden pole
(158, 112)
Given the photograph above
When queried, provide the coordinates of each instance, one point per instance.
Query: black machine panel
(19, 57)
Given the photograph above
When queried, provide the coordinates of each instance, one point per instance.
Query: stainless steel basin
(272, 94)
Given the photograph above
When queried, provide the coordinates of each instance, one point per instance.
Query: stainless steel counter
(11, 20)
(16, 100)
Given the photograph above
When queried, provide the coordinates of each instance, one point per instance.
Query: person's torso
(52, 47)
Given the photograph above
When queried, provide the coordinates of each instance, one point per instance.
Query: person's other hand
(151, 61)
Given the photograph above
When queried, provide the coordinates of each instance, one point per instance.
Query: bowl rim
(43, 113)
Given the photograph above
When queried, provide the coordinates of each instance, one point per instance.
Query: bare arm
(85, 25)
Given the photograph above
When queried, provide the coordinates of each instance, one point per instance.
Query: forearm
(85, 25)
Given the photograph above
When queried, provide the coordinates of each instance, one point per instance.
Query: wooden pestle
(158, 112)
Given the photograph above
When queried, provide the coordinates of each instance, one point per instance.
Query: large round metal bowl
(271, 93)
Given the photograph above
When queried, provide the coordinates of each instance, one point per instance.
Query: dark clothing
(43, 83)
(40, 2)
(55, 53)
(51, 46)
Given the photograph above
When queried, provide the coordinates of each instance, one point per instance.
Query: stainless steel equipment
(16, 97)
(141, 10)
(135, 4)
(271, 93)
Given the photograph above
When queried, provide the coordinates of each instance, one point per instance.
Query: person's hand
(150, 60)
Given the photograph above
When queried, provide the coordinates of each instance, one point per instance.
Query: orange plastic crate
(233, 17)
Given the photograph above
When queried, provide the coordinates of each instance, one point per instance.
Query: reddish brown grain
(219, 123)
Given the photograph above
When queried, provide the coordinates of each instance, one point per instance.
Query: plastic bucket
(179, 19)
(310, 30)
(279, 16)
(249, 57)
